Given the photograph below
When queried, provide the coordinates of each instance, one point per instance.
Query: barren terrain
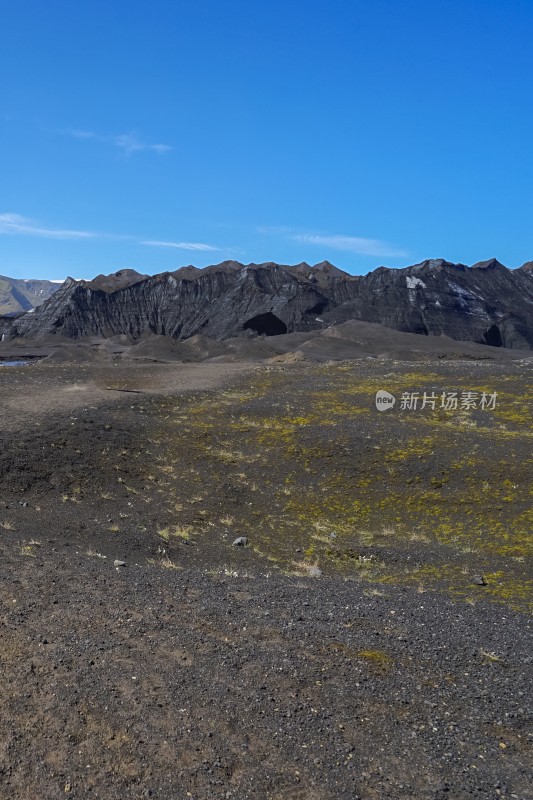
(373, 637)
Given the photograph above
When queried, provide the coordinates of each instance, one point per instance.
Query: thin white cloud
(15, 224)
(78, 134)
(274, 229)
(198, 246)
(128, 143)
(349, 244)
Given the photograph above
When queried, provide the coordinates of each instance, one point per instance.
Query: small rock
(117, 563)
(315, 572)
(241, 541)
(479, 580)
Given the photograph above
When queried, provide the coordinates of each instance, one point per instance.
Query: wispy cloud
(131, 144)
(349, 244)
(79, 134)
(128, 143)
(15, 224)
(198, 246)
(274, 229)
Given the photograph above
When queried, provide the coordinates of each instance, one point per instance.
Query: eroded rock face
(486, 303)
(220, 301)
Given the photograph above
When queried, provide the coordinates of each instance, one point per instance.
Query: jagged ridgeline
(486, 303)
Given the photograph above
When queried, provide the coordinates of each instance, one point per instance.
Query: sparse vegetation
(492, 657)
(179, 531)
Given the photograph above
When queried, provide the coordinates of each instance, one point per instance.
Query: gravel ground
(203, 670)
(133, 682)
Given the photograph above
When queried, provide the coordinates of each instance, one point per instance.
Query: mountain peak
(491, 263)
(116, 280)
(436, 264)
(329, 268)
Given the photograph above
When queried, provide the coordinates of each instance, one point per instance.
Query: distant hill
(485, 304)
(18, 296)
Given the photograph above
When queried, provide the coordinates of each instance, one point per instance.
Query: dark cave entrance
(266, 324)
(493, 337)
(319, 307)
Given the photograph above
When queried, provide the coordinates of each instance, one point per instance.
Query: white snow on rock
(413, 283)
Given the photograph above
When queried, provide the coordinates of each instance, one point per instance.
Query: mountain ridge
(20, 295)
(485, 303)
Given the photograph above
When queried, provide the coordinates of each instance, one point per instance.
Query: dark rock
(487, 303)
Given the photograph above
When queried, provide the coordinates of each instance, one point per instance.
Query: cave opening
(493, 337)
(319, 307)
(266, 324)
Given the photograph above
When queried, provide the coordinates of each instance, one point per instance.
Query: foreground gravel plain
(202, 670)
(137, 682)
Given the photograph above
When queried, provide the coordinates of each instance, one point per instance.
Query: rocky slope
(17, 295)
(486, 303)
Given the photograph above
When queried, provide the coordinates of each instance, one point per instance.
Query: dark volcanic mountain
(486, 303)
(18, 296)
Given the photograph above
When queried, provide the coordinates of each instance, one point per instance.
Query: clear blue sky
(157, 134)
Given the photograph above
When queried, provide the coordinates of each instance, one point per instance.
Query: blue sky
(156, 134)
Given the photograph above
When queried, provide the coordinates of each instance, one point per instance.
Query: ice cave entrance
(267, 324)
